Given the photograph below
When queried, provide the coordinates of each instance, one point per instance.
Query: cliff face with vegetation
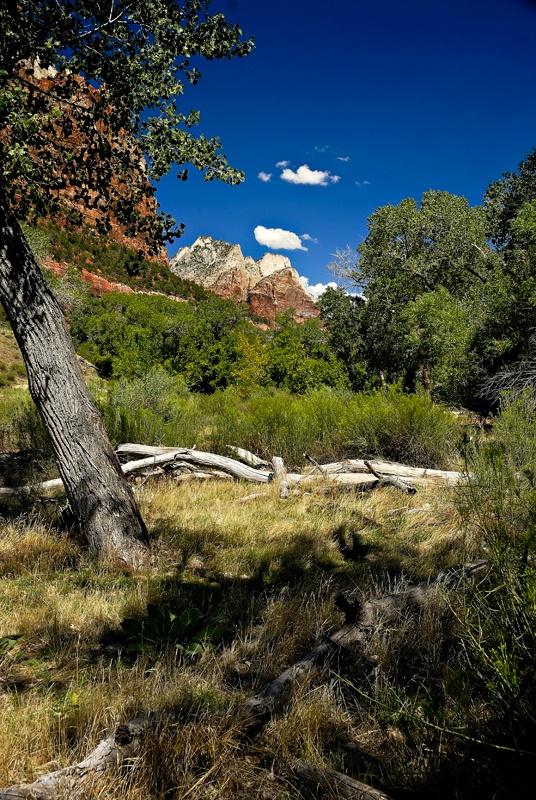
(269, 285)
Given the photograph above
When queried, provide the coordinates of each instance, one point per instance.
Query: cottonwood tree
(86, 88)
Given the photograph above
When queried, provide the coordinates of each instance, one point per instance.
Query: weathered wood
(74, 780)
(329, 780)
(317, 466)
(390, 480)
(256, 710)
(200, 459)
(418, 474)
(249, 497)
(248, 458)
(280, 473)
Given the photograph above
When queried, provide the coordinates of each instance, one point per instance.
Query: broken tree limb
(329, 780)
(122, 744)
(200, 459)
(390, 480)
(317, 466)
(417, 474)
(248, 458)
(255, 711)
(280, 474)
(154, 457)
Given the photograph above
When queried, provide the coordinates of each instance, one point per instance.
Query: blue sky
(361, 103)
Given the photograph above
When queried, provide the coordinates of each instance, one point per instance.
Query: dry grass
(270, 570)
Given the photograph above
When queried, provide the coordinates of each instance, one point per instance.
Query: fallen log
(248, 458)
(390, 480)
(329, 780)
(154, 457)
(418, 474)
(198, 458)
(256, 710)
(74, 780)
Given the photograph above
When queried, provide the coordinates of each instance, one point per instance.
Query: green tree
(342, 315)
(415, 249)
(113, 73)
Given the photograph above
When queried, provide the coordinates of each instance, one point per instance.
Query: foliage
(7, 643)
(500, 622)
(188, 631)
(135, 63)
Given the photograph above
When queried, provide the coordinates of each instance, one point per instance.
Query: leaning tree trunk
(98, 493)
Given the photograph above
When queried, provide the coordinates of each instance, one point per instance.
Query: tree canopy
(88, 86)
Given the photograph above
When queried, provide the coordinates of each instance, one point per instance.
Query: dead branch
(321, 469)
(256, 710)
(329, 780)
(390, 480)
(247, 457)
(71, 781)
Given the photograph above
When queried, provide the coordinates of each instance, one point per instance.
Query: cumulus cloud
(309, 177)
(343, 158)
(277, 238)
(318, 288)
(362, 183)
(264, 176)
(283, 164)
(308, 238)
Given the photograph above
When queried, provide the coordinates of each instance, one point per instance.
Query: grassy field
(269, 571)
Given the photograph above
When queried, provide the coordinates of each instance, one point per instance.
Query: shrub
(499, 503)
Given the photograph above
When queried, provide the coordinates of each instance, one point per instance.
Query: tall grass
(328, 424)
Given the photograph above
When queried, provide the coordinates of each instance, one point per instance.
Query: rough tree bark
(98, 493)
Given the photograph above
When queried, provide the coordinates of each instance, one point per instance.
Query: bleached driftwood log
(154, 457)
(247, 457)
(199, 459)
(419, 474)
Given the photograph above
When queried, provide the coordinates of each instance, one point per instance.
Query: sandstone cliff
(269, 285)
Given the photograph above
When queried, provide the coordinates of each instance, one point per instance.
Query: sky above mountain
(350, 105)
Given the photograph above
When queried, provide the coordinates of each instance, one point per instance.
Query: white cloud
(318, 288)
(322, 149)
(264, 176)
(362, 183)
(308, 238)
(283, 164)
(343, 158)
(310, 177)
(277, 238)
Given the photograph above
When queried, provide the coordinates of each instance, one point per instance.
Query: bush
(403, 427)
(499, 503)
(328, 424)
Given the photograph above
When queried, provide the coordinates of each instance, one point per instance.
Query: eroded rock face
(269, 285)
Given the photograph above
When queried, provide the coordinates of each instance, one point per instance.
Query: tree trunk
(99, 495)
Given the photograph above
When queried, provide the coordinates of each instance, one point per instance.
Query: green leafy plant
(188, 631)
(7, 643)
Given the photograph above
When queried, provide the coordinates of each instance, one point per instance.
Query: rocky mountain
(269, 285)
